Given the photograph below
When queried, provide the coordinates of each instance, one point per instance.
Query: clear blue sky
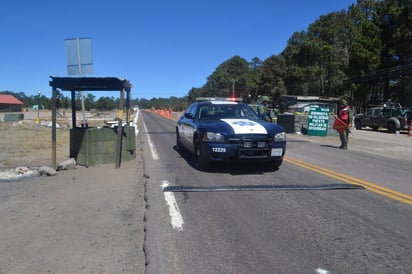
(163, 47)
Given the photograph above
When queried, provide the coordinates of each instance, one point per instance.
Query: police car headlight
(213, 136)
(280, 137)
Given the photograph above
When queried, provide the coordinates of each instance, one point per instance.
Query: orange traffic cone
(410, 130)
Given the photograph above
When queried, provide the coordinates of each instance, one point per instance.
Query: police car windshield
(217, 111)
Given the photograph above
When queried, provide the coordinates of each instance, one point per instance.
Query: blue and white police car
(227, 130)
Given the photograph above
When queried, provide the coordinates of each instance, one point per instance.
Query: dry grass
(29, 144)
(26, 143)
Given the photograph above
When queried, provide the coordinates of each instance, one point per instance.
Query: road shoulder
(397, 146)
(87, 220)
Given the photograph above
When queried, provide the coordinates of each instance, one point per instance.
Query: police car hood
(243, 126)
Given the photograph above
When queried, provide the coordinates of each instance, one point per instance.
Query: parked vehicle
(393, 118)
(223, 130)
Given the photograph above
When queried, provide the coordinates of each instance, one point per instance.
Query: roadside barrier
(169, 114)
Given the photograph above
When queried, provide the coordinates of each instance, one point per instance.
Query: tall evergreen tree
(365, 51)
(252, 79)
(273, 73)
(331, 51)
(228, 78)
(395, 22)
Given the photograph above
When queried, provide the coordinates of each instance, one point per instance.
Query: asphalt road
(364, 230)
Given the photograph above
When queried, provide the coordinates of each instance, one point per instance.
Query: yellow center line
(387, 192)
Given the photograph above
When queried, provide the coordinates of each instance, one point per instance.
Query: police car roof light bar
(219, 99)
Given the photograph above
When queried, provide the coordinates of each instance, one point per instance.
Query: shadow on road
(329, 146)
(233, 168)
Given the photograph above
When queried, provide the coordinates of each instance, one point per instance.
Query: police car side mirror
(189, 115)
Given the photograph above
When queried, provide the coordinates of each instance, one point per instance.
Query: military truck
(392, 117)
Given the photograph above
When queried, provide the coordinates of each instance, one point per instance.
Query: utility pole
(233, 86)
(38, 108)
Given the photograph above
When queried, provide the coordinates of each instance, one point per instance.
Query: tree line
(64, 102)
(363, 53)
(91, 102)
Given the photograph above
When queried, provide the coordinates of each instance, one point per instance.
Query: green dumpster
(94, 146)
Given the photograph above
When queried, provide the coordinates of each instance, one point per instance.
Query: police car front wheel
(200, 161)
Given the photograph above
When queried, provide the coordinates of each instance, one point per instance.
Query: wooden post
(119, 130)
(127, 106)
(54, 164)
(74, 109)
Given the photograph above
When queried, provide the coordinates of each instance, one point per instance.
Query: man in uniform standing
(345, 114)
(263, 109)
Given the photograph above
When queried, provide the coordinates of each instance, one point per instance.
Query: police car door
(187, 125)
(190, 126)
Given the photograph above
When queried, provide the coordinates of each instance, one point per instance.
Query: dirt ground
(86, 220)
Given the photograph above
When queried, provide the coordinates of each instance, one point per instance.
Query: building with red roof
(9, 103)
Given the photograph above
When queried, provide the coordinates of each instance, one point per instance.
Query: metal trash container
(94, 146)
(287, 121)
(13, 117)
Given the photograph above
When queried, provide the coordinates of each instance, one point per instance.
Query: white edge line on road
(174, 212)
(321, 271)
(153, 150)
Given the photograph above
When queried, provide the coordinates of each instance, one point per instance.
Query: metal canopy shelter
(74, 84)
